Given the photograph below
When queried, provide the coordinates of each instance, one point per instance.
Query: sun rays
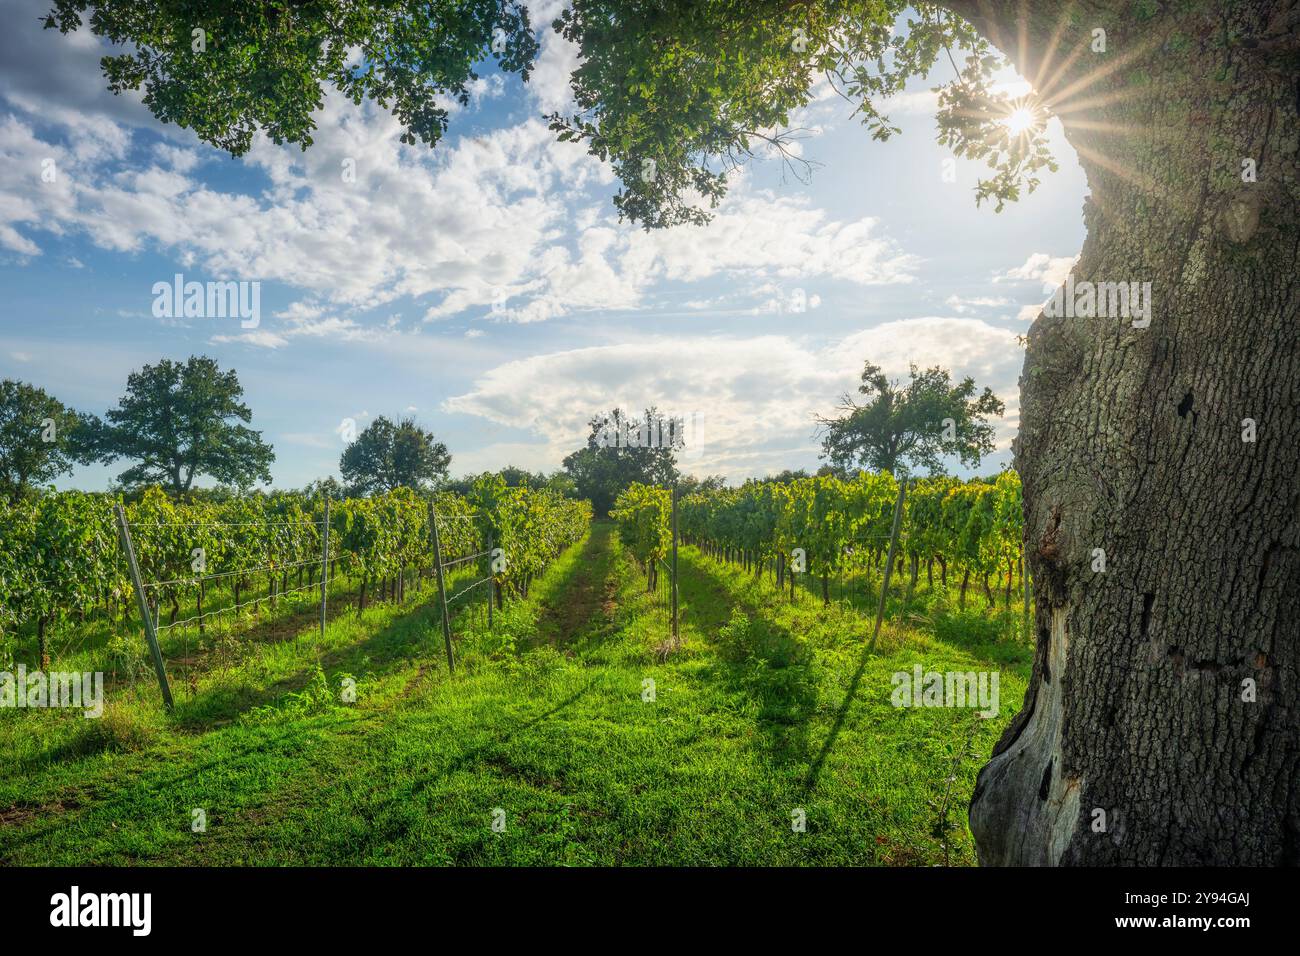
(1019, 120)
(1024, 117)
(1059, 83)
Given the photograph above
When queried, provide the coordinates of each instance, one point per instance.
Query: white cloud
(11, 239)
(510, 218)
(764, 234)
(548, 85)
(1050, 270)
(916, 103)
(331, 327)
(960, 304)
(260, 337)
(784, 301)
(486, 88)
(964, 346)
(756, 399)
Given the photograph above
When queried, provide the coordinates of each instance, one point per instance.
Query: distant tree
(606, 465)
(564, 484)
(915, 424)
(387, 456)
(40, 438)
(512, 476)
(521, 477)
(787, 476)
(320, 487)
(518, 478)
(689, 484)
(179, 421)
(217, 494)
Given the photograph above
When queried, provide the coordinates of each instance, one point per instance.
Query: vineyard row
(61, 554)
(826, 525)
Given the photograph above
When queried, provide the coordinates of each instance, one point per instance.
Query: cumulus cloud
(548, 86)
(1050, 270)
(764, 234)
(508, 222)
(751, 402)
(58, 77)
(262, 338)
(959, 304)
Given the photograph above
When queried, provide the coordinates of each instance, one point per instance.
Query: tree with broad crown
(388, 456)
(181, 420)
(916, 424)
(601, 471)
(40, 438)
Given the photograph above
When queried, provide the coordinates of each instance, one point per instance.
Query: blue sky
(486, 287)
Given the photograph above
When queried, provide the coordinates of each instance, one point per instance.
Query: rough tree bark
(1131, 440)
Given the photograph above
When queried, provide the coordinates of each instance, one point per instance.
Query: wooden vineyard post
(442, 588)
(324, 564)
(150, 631)
(889, 563)
(676, 633)
(492, 579)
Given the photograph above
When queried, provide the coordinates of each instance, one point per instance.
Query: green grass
(765, 708)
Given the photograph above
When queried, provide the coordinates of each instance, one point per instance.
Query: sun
(1019, 121)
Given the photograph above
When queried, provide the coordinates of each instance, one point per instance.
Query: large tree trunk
(1163, 692)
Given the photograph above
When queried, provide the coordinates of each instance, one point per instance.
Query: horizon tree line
(180, 421)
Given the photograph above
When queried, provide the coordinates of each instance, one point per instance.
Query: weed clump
(120, 729)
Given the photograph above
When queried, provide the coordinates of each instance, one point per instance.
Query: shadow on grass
(414, 631)
(482, 754)
(757, 658)
(397, 641)
(841, 714)
(140, 795)
(93, 634)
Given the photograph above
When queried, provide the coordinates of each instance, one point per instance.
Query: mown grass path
(566, 724)
(586, 599)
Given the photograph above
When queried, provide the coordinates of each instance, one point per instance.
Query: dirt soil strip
(568, 613)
